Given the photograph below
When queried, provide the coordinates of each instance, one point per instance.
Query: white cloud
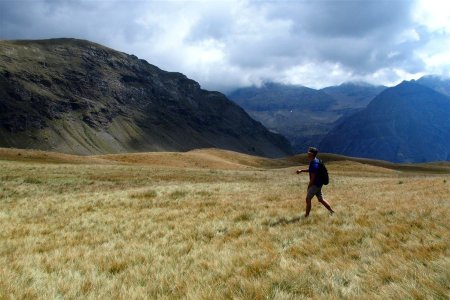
(434, 15)
(316, 74)
(224, 44)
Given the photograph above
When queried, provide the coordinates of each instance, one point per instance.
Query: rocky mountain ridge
(75, 96)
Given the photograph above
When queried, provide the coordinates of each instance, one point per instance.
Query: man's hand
(299, 171)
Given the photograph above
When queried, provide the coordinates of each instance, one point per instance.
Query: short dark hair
(313, 150)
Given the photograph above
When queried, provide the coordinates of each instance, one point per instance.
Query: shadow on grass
(284, 221)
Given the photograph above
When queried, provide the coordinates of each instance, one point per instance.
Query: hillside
(407, 123)
(78, 97)
(216, 159)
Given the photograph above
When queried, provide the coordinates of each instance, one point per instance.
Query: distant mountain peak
(274, 85)
(407, 83)
(357, 83)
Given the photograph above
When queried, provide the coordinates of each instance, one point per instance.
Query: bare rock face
(79, 97)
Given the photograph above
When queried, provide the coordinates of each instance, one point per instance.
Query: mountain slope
(302, 114)
(273, 96)
(353, 95)
(79, 97)
(406, 123)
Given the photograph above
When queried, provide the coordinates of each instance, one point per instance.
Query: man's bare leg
(327, 205)
(308, 207)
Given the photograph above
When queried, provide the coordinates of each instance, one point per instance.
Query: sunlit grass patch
(148, 194)
(178, 194)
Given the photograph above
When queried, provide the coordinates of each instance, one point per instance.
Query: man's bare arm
(302, 171)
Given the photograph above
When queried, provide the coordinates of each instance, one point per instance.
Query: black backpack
(323, 173)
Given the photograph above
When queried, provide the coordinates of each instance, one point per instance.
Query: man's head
(312, 153)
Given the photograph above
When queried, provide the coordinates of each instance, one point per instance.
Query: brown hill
(222, 159)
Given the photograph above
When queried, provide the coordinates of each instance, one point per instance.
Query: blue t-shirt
(314, 169)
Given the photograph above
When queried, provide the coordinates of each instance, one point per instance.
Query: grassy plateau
(211, 224)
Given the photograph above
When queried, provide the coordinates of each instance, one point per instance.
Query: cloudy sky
(228, 44)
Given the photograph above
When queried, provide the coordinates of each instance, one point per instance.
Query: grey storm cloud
(350, 18)
(238, 42)
(97, 20)
(357, 34)
(215, 25)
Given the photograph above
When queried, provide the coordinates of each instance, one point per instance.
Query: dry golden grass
(216, 225)
(203, 158)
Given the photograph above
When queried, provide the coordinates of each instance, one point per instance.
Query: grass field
(213, 224)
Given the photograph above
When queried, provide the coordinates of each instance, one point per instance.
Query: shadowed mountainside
(407, 123)
(79, 97)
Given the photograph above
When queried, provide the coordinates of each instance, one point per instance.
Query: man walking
(315, 182)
